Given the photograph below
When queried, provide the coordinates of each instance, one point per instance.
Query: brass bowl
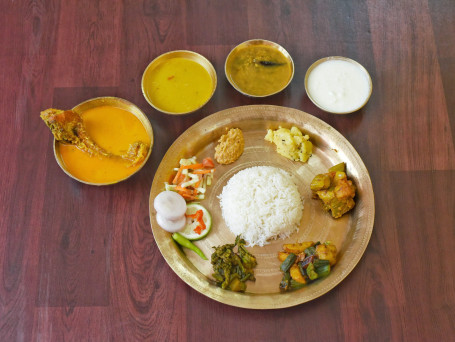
(258, 42)
(322, 60)
(191, 55)
(114, 102)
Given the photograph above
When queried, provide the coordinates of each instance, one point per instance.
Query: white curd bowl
(338, 85)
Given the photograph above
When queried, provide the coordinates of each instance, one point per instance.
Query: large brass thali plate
(350, 233)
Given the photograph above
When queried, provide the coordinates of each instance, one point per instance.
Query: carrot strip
(179, 172)
(179, 188)
(182, 179)
(202, 172)
(171, 178)
(193, 166)
(189, 197)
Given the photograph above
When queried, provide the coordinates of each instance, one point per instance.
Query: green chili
(183, 241)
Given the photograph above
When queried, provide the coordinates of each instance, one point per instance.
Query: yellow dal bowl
(182, 79)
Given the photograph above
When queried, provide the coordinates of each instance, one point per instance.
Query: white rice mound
(261, 203)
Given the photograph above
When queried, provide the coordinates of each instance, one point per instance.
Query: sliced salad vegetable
(305, 262)
(170, 205)
(189, 183)
(192, 178)
(171, 226)
(198, 222)
(170, 211)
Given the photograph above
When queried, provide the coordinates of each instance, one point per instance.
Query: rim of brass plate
(180, 264)
(115, 102)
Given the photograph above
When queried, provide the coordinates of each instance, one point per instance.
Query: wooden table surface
(79, 263)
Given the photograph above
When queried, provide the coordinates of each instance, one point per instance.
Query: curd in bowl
(338, 85)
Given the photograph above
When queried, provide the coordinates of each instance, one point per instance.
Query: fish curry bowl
(179, 82)
(101, 141)
(259, 68)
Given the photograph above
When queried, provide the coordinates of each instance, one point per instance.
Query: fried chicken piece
(67, 127)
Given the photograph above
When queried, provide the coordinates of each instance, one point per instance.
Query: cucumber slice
(188, 230)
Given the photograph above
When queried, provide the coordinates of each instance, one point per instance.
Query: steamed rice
(261, 203)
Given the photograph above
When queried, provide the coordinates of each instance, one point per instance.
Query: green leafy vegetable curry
(231, 269)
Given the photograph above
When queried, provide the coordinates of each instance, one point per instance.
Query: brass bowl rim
(189, 52)
(340, 58)
(267, 42)
(149, 130)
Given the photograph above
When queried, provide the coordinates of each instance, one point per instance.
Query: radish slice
(171, 226)
(170, 205)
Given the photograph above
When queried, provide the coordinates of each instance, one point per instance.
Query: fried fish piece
(68, 127)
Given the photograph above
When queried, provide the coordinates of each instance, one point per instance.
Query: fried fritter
(230, 146)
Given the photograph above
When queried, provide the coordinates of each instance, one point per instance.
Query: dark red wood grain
(79, 263)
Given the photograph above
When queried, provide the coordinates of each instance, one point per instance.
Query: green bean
(310, 251)
(323, 271)
(285, 282)
(311, 272)
(183, 241)
(288, 262)
(295, 285)
(320, 263)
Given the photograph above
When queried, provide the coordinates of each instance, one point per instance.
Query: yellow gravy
(178, 85)
(113, 129)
